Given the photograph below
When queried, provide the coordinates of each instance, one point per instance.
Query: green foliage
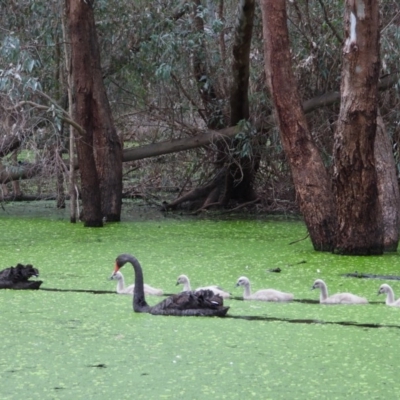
(164, 72)
(31, 33)
(16, 78)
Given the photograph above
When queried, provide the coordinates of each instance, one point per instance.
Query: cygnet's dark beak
(177, 283)
(112, 275)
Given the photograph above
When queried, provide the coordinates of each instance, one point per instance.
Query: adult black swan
(18, 277)
(202, 303)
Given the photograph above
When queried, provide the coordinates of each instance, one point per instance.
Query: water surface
(77, 339)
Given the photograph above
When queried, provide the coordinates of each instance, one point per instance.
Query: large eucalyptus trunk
(360, 230)
(388, 187)
(310, 178)
(99, 148)
(80, 27)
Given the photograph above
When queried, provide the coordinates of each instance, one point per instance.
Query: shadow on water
(80, 291)
(310, 321)
(258, 317)
(90, 291)
(304, 301)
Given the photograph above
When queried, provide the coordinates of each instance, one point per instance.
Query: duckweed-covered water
(77, 339)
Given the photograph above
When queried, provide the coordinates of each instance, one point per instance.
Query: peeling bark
(310, 178)
(99, 148)
(81, 25)
(360, 229)
(388, 187)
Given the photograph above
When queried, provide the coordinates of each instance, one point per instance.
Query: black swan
(18, 277)
(203, 303)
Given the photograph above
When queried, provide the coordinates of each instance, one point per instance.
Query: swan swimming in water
(263, 294)
(390, 301)
(202, 303)
(184, 280)
(121, 289)
(338, 298)
(18, 277)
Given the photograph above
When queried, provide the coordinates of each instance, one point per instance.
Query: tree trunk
(242, 173)
(239, 98)
(108, 156)
(360, 227)
(388, 187)
(93, 113)
(107, 145)
(310, 178)
(73, 204)
(15, 184)
(60, 181)
(239, 177)
(81, 26)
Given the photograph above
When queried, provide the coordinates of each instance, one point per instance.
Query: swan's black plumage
(18, 277)
(201, 303)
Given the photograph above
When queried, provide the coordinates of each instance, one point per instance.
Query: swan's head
(120, 261)
(27, 271)
(243, 281)
(318, 284)
(116, 275)
(32, 271)
(384, 289)
(182, 279)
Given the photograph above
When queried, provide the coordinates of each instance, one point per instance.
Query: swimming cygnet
(263, 294)
(121, 289)
(184, 280)
(338, 298)
(390, 301)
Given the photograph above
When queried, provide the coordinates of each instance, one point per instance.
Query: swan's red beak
(116, 268)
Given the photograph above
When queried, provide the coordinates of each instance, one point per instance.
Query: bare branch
(66, 118)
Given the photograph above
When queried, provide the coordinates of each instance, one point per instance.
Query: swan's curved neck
(389, 296)
(247, 290)
(324, 292)
(139, 301)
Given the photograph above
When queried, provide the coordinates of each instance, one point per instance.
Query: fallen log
(8, 174)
